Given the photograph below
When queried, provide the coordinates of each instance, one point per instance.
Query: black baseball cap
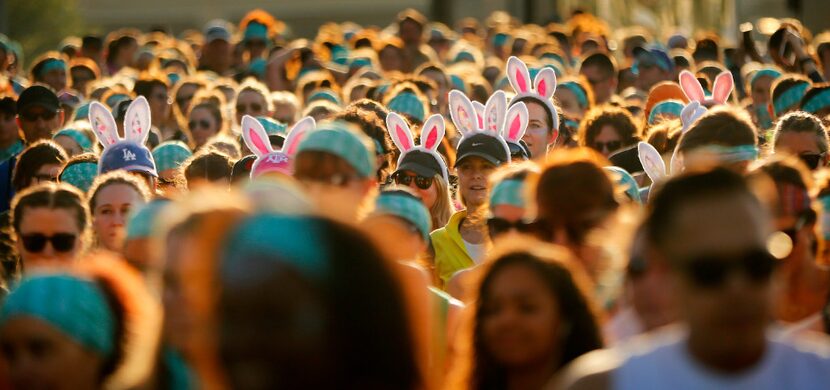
(422, 163)
(628, 159)
(485, 146)
(37, 95)
(242, 168)
(519, 149)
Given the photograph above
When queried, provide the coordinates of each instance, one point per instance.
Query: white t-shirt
(666, 364)
(476, 251)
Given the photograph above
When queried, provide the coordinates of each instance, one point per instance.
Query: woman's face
(569, 103)
(538, 135)
(69, 145)
(428, 196)
(250, 103)
(391, 59)
(38, 356)
(202, 125)
(473, 173)
(760, 91)
(56, 79)
(607, 141)
(46, 173)
(184, 96)
(40, 223)
(520, 323)
(112, 206)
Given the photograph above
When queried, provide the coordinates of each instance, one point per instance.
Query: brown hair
(34, 157)
(664, 135)
(52, 196)
(607, 115)
(801, 122)
(116, 177)
(723, 125)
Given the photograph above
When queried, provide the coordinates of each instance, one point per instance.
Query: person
(141, 223)
(508, 199)
(156, 91)
(80, 171)
(86, 326)
(10, 142)
(216, 50)
(336, 165)
(169, 157)
(411, 24)
(651, 66)
(723, 135)
(600, 70)
(111, 199)
(760, 86)
(205, 120)
(533, 316)
(608, 129)
(575, 97)
(787, 92)
(50, 69)
(399, 225)
(802, 134)
(252, 99)
(721, 271)
(51, 225)
(75, 141)
(38, 163)
(207, 167)
(543, 116)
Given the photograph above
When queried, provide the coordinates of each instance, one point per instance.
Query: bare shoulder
(591, 371)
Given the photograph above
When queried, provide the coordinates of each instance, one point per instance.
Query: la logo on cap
(128, 155)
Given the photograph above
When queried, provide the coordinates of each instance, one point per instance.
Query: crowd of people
(493, 205)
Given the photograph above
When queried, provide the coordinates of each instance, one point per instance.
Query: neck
(728, 362)
(534, 376)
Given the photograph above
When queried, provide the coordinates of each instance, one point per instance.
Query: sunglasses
(61, 242)
(253, 107)
(498, 226)
(812, 161)
(336, 180)
(711, 271)
(200, 123)
(31, 117)
(420, 181)
(611, 145)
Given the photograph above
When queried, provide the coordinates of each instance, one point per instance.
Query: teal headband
(82, 112)
(296, 240)
(324, 94)
(499, 39)
(408, 103)
(508, 192)
(77, 136)
(406, 207)
(257, 67)
(335, 138)
(464, 56)
(52, 64)
(789, 98)
(256, 30)
(767, 72)
(272, 127)
(170, 155)
(817, 102)
(116, 98)
(577, 90)
(627, 182)
(360, 62)
(727, 154)
(458, 83)
(666, 107)
(80, 175)
(141, 221)
(76, 307)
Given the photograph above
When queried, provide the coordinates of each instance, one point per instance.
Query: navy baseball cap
(649, 56)
(128, 156)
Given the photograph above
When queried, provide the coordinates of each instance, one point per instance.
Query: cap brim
(419, 169)
(486, 157)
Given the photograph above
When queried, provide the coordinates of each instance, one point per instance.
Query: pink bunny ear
(516, 124)
(137, 121)
(545, 82)
(479, 114)
(723, 87)
(494, 113)
(103, 124)
(399, 131)
(433, 132)
(691, 87)
(462, 112)
(297, 134)
(255, 136)
(518, 75)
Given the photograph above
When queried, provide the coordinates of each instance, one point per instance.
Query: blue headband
(774, 74)
(817, 102)
(77, 136)
(670, 107)
(80, 175)
(508, 192)
(577, 90)
(52, 64)
(406, 207)
(789, 98)
(76, 307)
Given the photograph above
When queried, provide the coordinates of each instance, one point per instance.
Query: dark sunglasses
(31, 117)
(251, 107)
(812, 161)
(711, 271)
(201, 123)
(498, 226)
(336, 180)
(612, 146)
(420, 181)
(61, 242)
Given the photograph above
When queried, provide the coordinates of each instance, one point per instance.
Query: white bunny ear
(690, 113)
(433, 132)
(255, 136)
(516, 123)
(518, 75)
(494, 113)
(691, 87)
(462, 112)
(137, 121)
(103, 124)
(297, 134)
(652, 162)
(676, 163)
(399, 131)
(723, 87)
(545, 82)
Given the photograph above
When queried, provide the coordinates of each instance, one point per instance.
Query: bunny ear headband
(432, 134)
(269, 159)
(466, 118)
(542, 88)
(694, 91)
(136, 123)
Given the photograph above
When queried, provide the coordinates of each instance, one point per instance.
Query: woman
(608, 129)
(169, 157)
(208, 167)
(543, 119)
(75, 141)
(532, 317)
(89, 326)
(252, 99)
(40, 162)
(336, 164)
(204, 122)
(111, 199)
(50, 223)
(80, 171)
(575, 96)
(508, 201)
(802, 134)
(51, 69)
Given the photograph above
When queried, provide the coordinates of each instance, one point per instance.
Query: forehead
(796, 142)
(535, 111)
(47, 220)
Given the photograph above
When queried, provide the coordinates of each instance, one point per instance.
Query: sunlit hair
(599, 117)
(443, 208)
(113, 178)
(53, 196)
(251, 85)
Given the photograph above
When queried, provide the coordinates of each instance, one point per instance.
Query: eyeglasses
(336, 180)
(31, 117)
(711, 271)
(498, 226)
(253, 107)
(420, 181)
(61, 242)
(811, 160)
(200, 123)
(611, 145)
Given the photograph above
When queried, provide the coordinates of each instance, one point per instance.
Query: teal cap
(256, 30)
(76, 307)
(272, 127)
(404, 205)
(627, 182)
(82, 112)
(171, 155)
(408, 103)
(324, 94)
(508, 192)
(665, 108)
(141, 221)
(82, 140)
(80, 175)
(336, 138)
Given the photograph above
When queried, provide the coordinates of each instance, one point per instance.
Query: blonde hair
(442, 209)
